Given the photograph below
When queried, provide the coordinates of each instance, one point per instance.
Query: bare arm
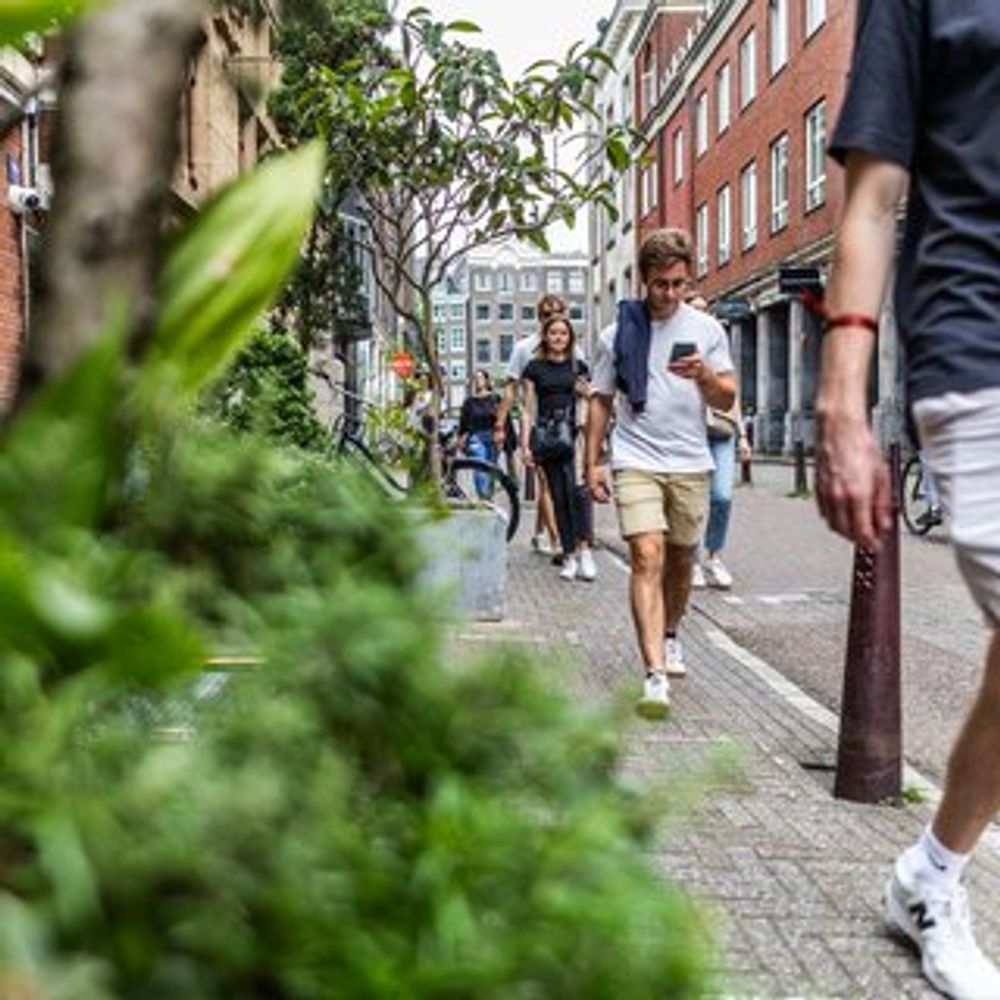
(598, 418)
(527, 421)
(500, 421)
(852, 484)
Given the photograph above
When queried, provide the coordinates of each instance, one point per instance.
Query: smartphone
(682, 349)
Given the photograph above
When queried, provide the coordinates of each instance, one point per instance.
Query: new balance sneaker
(716, 574)
(588, 568)
(570, 568)
(674, 653)
(940, 925)
(698, 577)
(655, 700)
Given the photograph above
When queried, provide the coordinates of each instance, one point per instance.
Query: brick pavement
(793, 876)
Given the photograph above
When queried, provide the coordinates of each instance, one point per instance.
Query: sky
(522, 32)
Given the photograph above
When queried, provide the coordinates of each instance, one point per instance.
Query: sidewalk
(794, 875)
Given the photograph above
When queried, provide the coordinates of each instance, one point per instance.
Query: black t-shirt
(924, 92)
(555, 384)
(478, 414)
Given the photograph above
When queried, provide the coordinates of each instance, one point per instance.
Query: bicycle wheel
(913, 498)
(475, 481)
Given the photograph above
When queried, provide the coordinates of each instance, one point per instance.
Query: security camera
(24, 199)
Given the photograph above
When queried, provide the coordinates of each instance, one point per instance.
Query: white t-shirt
(669, 434)
(524, 351)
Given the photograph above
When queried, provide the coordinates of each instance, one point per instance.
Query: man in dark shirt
(923, 111)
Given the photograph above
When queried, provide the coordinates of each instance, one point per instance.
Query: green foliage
(18, 17)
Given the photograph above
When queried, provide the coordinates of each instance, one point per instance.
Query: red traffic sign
(402, 364)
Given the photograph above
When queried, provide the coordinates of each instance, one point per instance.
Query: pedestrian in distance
(656, 369)
(549, 431)
(922, 114)
(475, 427)
(726, 438)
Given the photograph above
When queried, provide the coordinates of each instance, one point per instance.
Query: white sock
(929, 861)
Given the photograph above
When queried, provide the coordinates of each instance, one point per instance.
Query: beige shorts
(960, 435)
(674, 503)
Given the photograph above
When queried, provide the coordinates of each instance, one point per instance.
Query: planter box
(466, 560)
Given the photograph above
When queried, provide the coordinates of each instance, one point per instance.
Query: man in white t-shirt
(657, 368)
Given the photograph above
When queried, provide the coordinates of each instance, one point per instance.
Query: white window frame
(748, 68)
(779, 183)
(724, 223)
(701, 240)
(576, 282)
(723, 98)
(748, 206)
(456, 310)
(777, 35)
(482, 306)
(816, 155)
(529, 281)
(457, 339)
(678, 145)
(484, 281)
(554, 282)
(701, 123)
(505, 307)
(650, 183)
(815, 16)
(442, 340)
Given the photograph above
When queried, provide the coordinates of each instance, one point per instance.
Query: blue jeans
(720, 492)
(480, 445)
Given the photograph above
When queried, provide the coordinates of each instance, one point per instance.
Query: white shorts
(960, 437)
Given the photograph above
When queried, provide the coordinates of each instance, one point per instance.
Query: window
(458, 338)
(627, 188)
(779, 183)
(442, 340)
(748, 68)
(529, 281)
(576, 312)
(458, 310)
(482, 311)
(723, 87)
(701, 123)
(701, 240)
(439, 310)
(506, 281)
(527, 312)
(650, 183)
(777, 23)
(724, 206)
(816, 155)
(483, 281)
(506, 346)
(678, 156)
(506, 312)
(815, 16)
(457, 371)
(554, 282)
(648, 80)
(484, 352)
(748, 206)
(577, 282)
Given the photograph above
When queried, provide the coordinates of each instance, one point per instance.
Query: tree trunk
(115, 150)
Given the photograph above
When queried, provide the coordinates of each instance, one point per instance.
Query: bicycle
(464, 481)
(918, 502)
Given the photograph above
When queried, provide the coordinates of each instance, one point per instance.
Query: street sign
(732, 308)
(402, 364)
(796, 280)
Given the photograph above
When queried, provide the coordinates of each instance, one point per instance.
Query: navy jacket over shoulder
(632, 339)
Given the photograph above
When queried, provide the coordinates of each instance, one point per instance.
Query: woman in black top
(475, 427)
(553, 380)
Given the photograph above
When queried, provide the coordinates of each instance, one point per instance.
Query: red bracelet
(851, 319)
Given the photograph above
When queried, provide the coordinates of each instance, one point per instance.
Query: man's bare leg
(972, 785)
(646, 592)
(677, 568)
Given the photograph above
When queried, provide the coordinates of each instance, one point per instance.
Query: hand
(746, 452)
(527, 458)
(582, 387)
(852, 481)
(499, 437)
(690, 367)
(597, 483)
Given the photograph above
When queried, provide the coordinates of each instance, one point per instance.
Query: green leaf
(468, 27)
(228, 268)
(18, 17)
(618, 155)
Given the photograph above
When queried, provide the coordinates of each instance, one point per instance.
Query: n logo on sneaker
(921, 917)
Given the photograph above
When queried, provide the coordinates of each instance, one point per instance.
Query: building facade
(450, 303)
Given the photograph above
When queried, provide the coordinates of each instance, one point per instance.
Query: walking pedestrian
(475, 427)
(549, 432)
(726, 437)
(657, 368)
(922, 113)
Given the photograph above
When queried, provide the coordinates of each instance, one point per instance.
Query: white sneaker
(941, 927)
(569, 569)
(674, 652)
(698, 577)
(716, 575)
(541, 544)
(655, 700)
(588, 568)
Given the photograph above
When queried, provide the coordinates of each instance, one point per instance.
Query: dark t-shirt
(924, 92)
(478, 414)
(555, 384)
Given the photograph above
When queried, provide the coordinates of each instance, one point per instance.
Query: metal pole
(869, 755)
(801, 479)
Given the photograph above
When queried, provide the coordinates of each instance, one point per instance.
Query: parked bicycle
(464, 481)
(919, 501)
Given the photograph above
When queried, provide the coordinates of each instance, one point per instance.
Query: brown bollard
(801, 479)
(746, 473)
(870, 750)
